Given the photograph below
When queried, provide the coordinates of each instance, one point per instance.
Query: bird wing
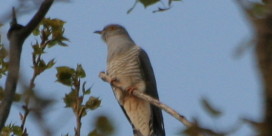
(151, 90)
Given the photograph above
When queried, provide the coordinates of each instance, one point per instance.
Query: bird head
(111, 31)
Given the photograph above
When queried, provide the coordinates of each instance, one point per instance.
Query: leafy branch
(46, 31)
(75, 98)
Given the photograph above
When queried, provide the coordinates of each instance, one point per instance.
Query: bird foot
(107, 78)
(113, 81)
(130, 90)
(103, 76)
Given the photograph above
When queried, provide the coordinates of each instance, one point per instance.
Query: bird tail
(156, 124)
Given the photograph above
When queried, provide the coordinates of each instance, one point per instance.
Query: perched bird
(131, 67)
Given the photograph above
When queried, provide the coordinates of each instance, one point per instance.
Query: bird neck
(118, 45)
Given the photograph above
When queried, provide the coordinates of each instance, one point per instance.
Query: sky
(192, 49)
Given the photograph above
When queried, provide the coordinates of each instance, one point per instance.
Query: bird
(129, 64)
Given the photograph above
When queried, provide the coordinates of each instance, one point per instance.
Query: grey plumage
(130, 64)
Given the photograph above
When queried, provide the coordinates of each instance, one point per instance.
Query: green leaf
(192, 131)
(260, 9)
(85, 92)
(37, 50)
(104, 125)
(53, 32)
(55, 23)
(80, 71)
(40, 67)
(94, 133)
(3, 52)
(6, 131)
(64, 75)
(17, 97)
(170, 2)
(36, 31)
(52, 43)
(3, 61)
(50, 64)
(133, 6)
(84, 112)
(161, 9)
(62, 44)
(17, 130)
(11, 129)
(209, 108)
(93, 103)
(147, 3)
(41, 64)
(88, 91)
(70, 99)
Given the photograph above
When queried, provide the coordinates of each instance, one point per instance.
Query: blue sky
(191, 48)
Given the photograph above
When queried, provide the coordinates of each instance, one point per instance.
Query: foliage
(12, 130)
(148, 2)
(259, 10)
(75, 98)
(214, 112)
(51, 32)
(3, 61)
(103, 127)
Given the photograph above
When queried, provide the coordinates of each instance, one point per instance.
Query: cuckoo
(129, 65)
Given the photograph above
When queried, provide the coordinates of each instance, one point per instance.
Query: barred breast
(125, 67)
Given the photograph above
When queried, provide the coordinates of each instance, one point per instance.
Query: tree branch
(34, 22)
(149, 99)
(17, 35)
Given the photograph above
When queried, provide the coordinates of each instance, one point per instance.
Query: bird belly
(137, 110)
(139, 113)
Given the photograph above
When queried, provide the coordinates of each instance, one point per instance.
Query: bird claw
(130, 90)
(103, 76)
(113, 81)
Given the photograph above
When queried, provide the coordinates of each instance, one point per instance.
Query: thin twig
(24, 117)
(78, 109)
(149, 99)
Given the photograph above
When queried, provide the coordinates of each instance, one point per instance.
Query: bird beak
(98, 32)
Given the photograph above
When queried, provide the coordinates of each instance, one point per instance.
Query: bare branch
(151, 100)
(17, 35)
(33, 23)
(14, 19)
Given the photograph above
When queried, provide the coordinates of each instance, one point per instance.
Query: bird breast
(126, 67)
